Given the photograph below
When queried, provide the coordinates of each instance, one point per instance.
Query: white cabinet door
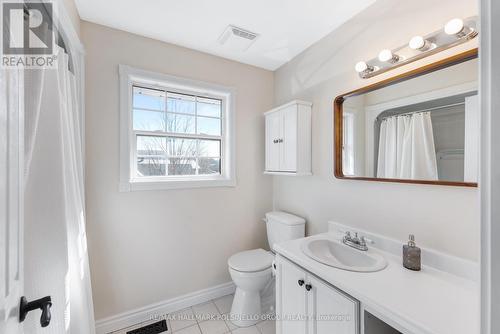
(330, 310)
(288, 139)
(273, 134)
(291, 299)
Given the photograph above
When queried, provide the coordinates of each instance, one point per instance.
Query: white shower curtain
(406, 148)
(55, 242)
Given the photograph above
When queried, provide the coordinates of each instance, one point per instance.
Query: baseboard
(130, 318)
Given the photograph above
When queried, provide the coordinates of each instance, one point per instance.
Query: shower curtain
(55, 242)
(406, 148)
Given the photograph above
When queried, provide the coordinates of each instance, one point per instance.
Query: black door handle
(308, 287)
(43, 304)
(301, 282)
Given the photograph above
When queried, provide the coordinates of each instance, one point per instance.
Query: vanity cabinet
(306, 304)
(288, 139)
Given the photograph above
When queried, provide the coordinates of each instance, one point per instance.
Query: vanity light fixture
(419, 43)
(362, 66)
(455, 27)
(386, 55)
(455, 32)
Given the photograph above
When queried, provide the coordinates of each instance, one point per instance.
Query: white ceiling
(286, 27)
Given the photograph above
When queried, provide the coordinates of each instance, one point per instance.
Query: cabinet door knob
(280, 140)
(308, 287)
(275, 141)
(301, 282)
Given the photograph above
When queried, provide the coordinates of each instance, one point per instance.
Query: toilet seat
(251, 261)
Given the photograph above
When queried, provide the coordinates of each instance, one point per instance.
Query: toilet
(251, 270)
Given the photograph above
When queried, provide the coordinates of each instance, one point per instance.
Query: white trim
(133, 317)
(440, 261)
(129, 76)
(489, 181)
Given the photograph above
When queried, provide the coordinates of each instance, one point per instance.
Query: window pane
(209, 107)
(149, 98)
(209, 126)
(149, 120)
(150, 156)
(209, 148)
(180, 123)
(209, 166)
(181, 147)
(181, 166)
(180, 103)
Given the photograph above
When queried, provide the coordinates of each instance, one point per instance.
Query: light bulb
(417, 43)
(454, 27)
(361, 66)
(386, 55)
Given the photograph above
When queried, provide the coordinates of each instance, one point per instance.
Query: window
(176, 133)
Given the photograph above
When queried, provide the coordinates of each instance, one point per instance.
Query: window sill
(155, 184)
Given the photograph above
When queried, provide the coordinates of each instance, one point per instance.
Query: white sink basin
(335, 254)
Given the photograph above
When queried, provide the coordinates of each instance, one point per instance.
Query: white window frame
(348, 144)
(130, 77)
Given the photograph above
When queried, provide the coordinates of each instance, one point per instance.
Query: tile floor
(206, 319)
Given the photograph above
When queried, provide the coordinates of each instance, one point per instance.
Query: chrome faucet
(356, 242)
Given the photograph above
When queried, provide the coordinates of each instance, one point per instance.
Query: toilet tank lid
(285, 218)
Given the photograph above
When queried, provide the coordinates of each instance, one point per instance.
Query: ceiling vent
(237, 38)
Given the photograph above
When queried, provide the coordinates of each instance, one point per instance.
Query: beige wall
(443, 218)
(148, 246)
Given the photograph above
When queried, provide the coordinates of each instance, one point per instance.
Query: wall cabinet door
(307, 305)
(288, 139)
(288, 142)
(273, 134)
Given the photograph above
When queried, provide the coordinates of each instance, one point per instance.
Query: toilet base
(246, 309)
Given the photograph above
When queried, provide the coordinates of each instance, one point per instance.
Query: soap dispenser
(411, 255)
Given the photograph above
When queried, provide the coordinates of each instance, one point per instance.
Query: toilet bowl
(251, 271)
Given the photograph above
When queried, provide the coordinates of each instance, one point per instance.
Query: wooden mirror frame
(338, 116)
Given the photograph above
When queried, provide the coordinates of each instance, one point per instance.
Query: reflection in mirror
(424, 128)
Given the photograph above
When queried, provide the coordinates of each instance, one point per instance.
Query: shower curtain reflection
(406, 148)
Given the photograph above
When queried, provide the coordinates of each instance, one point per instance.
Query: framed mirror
(418, 127)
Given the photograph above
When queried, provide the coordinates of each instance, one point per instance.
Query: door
(330, 310)
(291, 299)
(273, 135)
(288, 139)
(11, 204)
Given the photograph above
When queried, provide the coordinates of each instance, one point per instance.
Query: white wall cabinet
(288, 139)
(306, 304)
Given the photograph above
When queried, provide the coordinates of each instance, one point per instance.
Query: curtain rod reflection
(422, 110)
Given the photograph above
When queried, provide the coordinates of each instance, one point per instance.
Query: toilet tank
(282, 226)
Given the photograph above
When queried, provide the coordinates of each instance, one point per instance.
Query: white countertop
(425, 302)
